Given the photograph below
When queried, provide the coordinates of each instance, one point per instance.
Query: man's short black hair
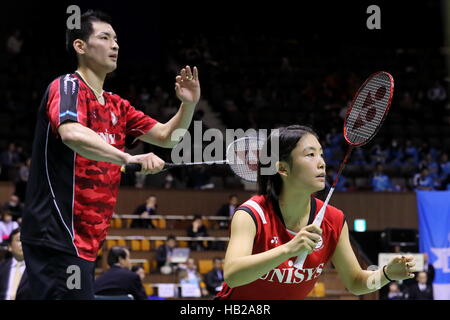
(136, 268)
(171, 236)
(12, 234)
(115, 253)
(6, 213)
(85, 29)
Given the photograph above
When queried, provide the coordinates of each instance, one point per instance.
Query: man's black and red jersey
(70, 199)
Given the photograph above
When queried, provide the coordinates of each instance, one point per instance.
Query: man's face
(14, 200)
(218, 264)
(234, 201)
(151, 201)
(141, 273)
(171, 243)
(101, 49)
(16, 247)
(422, 278)
(191, 263)
(125, 263)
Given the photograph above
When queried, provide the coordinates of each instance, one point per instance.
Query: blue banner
(434, 236)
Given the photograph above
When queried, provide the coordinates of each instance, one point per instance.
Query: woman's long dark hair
(271, 185)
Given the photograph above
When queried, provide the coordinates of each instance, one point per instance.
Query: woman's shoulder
(261, 200)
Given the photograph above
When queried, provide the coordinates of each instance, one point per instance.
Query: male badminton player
(77, 154)
(271, 229)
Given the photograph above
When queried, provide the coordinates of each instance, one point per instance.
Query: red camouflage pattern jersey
(285, 282)
(70, 199)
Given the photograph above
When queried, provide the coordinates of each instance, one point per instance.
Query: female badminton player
(272, 228)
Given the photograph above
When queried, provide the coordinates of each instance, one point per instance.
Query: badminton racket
(241, 156)
(364, 118)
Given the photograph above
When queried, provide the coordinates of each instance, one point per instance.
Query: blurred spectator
(15, 206)
(144, 96)
(430, 164)
(139, 270)
(13, 278)
(358, 157)
(380, 181)
(421, 290)
(437, 93)
(426, 148)
(227, 210)
(14, 42)
(379, 154)
(428, 156)
(330, 154)
(428, 268)
(214, 278)
(444, 164)
(397, 249)
(7, 225)
(394, 292)
(119, 280)
(342, 184)
(144, 211)
(199, 178)
(22, 179)
(396, 154)
(9, 160)
(334, 138)
(164, 251)
(233, 115)
(286, 65)
(411, 152)
(197, 229)
(188, 274)
(422, 180)
(444, 171)
(169, 181)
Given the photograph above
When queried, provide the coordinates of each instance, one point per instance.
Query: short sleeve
(138, 123)
(64, 103)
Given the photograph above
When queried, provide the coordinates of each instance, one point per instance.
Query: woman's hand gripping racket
(364, 117)
(241, 156)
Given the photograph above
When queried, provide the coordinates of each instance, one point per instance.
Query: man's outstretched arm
(187, 88)
(90, 145)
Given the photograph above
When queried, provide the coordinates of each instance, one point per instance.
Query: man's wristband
(384, 272)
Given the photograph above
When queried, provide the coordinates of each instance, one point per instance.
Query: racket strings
(368, 110)
(242, 156)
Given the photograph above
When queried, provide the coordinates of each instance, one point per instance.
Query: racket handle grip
(300, 261)
(136, 167)
(131, 167)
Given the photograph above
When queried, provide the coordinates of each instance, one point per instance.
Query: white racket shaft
(299, 262)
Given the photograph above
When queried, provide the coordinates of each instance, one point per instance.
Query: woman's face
(307, 169)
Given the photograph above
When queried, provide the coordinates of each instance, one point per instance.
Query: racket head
(369, 109)
(242, 157)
